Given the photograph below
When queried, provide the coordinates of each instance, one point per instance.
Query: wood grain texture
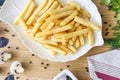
(40, 69)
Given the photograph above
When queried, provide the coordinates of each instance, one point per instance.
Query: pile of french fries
(62, 28)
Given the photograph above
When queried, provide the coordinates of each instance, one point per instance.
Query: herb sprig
(115, 6)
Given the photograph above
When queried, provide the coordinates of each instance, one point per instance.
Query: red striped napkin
(105, 66)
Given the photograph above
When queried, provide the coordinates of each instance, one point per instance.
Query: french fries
(54, 52)
(22, 23)
(61, 28)
(75, 4)
(60, 10)
(79, 8)
(71, 42)
(82, 41)
(46, 7)
(35, 13)
(46, 14)
(30, 10)
(50, 26)
(46, 41)
(22, 14)
(91, 38)
(61, 15)
(69, 18)
(58, 40)
(77, 43)
(74, 34)
(87, 23)
(66, 49)
(72, 48)
(55, 48)
(57, 30)
(44, 25)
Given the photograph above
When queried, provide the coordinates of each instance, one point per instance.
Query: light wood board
(40, 69)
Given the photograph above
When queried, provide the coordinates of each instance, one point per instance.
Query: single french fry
(29, 12)
(61, 15)
(64, 44)
(78, 7)
(28, 34)
(55, 36)
(50, 26)
(46, 14)
(73, 49)
(59, 7)
(85, 35)
(91, 38)
(87, 23)
(54, 52)
(84, 17)
(70, 42)
(79, 27)
(79, 14)
(74, 27)
(79, 38)
(77, 43)
(28, 31)
(69, 18)
(30, 26)
(85, 13)
(50, 2)
(77, 24)
(61, 3)
(35, 13)
(46, 41)
(58, 22)
(72, 22)
(44, 25)
(53, 31)
(67, 50)
(38, 24)
(35, 28)
(60, 10)
(22, 14)
(55, 48)
(58, 40)
(82, 41)
(74, 38)
(43, 37)
(22, 23)
(74, 34)
(59, 34)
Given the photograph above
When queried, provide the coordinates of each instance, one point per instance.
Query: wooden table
(40, 69)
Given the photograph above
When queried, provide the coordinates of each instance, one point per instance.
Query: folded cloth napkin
(105, 66)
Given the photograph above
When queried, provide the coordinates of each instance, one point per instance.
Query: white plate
(12, 8)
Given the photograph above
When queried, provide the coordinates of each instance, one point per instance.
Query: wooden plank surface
(40, 69)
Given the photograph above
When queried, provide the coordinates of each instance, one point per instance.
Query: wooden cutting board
(40, 69)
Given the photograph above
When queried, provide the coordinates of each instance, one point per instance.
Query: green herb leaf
(118, 16)
(116, 27)
(115, 6)
(105, 2)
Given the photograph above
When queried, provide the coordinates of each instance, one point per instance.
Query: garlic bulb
(16, 68)
(4, 56)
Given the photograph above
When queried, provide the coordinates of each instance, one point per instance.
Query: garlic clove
(4, 56)
(16, 68)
